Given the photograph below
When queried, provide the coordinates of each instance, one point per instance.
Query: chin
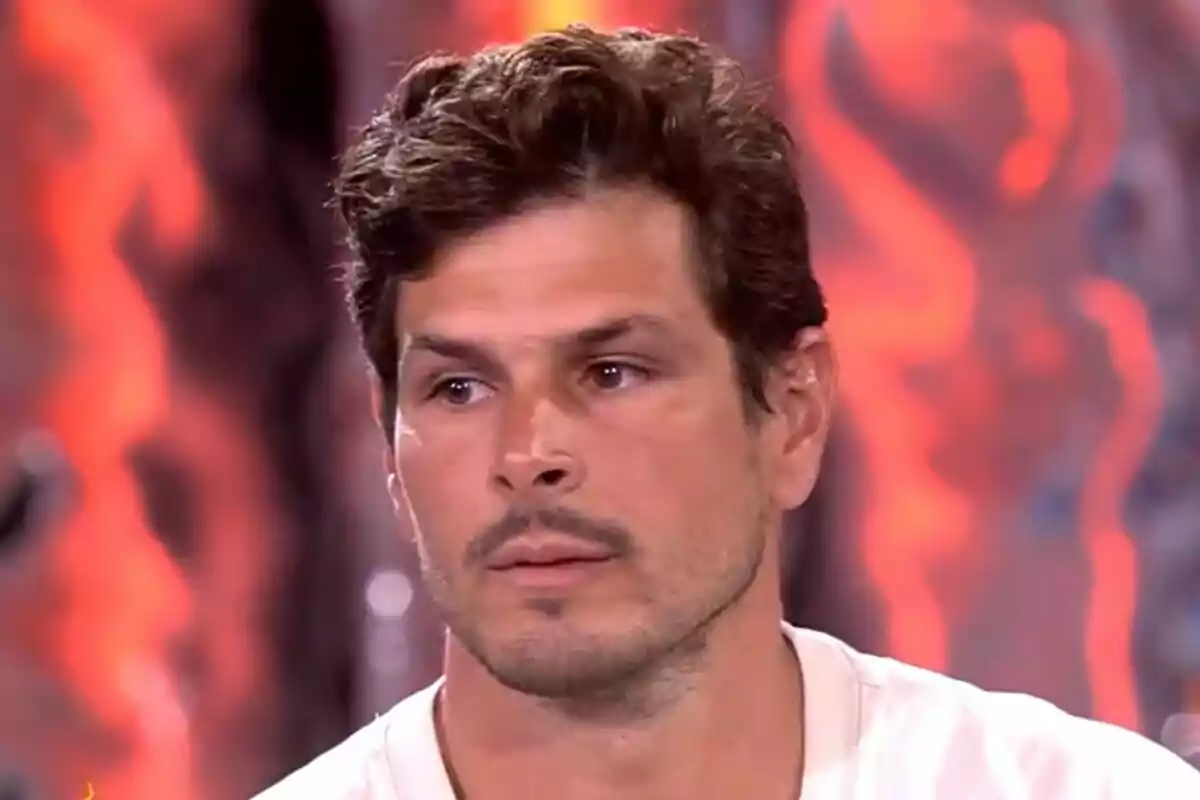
(562, 657)
(558, 670)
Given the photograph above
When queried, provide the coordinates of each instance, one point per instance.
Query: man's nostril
(550, 477)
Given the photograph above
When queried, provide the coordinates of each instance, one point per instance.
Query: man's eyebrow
(611, 330)
(481, 356)
(477, 355)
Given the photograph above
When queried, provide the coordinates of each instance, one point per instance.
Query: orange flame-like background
(1005, 217)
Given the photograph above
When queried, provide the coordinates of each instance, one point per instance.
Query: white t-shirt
(875, 729)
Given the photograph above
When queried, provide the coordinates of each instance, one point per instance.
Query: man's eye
(460, 391)
(609, 375)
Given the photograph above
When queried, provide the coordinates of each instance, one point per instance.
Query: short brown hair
(463, 143)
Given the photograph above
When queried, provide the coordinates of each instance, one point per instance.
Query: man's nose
(536, 456)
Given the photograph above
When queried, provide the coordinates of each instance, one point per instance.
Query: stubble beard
(603, 678)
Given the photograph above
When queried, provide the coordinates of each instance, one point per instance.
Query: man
(582, 277)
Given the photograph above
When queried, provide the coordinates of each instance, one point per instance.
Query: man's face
(586, 488)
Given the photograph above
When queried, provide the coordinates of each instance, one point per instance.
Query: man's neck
(736, 732)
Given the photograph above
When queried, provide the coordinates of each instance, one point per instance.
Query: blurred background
(201, 581)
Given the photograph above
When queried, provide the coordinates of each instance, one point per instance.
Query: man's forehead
(561, 272)
(551, 330)
(577, 247)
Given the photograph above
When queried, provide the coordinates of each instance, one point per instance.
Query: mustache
(516, 522)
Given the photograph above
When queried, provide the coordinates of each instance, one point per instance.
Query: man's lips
(546, 551)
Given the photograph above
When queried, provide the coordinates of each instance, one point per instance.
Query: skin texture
(561, 378)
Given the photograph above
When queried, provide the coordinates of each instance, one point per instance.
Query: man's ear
(801, 389)
(381, 408)
(384, 417)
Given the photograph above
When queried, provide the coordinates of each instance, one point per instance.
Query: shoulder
(359, 767)
(961, 736)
